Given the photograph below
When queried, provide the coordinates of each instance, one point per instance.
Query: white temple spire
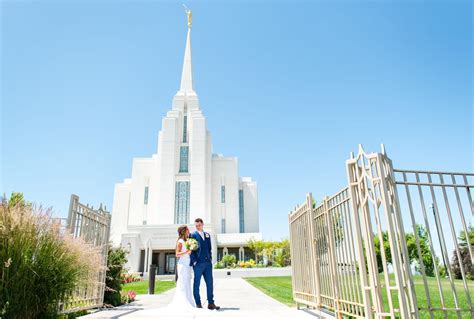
(187, 75)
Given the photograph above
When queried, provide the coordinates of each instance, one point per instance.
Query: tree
(426, 255)
(466, 263)
(257, 246)
(283, 255)
(463, 238)
(276, 252)
(18, 199)
(338, 226)
(378, 250)
(465, 256)
(269, 251)
(117, 257)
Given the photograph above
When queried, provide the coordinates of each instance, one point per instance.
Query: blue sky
(290, 88)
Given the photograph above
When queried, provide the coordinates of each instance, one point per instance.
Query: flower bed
(128, 297)
(231, 263)
(128, 277)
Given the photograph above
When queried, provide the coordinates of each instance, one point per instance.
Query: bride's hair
(182, 232)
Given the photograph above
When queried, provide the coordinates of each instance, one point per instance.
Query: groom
(201, 261)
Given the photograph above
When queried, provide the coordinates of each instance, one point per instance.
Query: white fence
(374, 249)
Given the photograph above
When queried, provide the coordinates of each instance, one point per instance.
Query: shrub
(229, 260)
(465, 261)
(40, 265)
(442, 271)
(271, 251)
(219, 265)
(113, 280)
(279, 259)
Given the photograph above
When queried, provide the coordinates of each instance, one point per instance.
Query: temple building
(182, 181)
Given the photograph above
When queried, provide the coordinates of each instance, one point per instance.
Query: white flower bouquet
(191, 244)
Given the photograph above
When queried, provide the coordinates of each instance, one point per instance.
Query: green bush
(466, 263)
(279, 259)
(442, 271)
(426, 255)
(39, 264)
(219, 265)
(229, 260)
(117, 257)
(465, 256)
(273, 251)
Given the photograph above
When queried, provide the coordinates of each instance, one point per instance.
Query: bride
(183, 297)
(183, 301)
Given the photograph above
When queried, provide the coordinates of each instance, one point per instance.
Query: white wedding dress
(182, 305)
(183, 296)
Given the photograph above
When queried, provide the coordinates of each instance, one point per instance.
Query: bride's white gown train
(182, 303)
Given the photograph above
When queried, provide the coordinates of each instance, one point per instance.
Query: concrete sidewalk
(237, 298)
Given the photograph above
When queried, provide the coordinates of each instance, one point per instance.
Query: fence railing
(373, 250)
(94, 227)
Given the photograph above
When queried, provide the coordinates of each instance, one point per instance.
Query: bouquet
(191, 244)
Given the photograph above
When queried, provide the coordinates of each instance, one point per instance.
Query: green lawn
(276, 287)
(280, 288)
(141, 287)
(435, 296)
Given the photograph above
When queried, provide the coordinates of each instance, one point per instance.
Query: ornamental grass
(41, 264)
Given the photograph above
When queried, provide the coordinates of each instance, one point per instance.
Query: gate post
(368, 274)
(396, 235)
(372, 185)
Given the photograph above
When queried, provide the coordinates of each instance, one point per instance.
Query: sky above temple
(290, 88)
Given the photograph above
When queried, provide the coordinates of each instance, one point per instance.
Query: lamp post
(151, 280)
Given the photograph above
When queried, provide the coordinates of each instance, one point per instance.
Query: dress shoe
(213, 307)
(198, 306)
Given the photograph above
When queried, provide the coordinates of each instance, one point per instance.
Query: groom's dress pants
(203, 269)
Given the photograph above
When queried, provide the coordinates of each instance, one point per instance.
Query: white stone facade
(181, 182)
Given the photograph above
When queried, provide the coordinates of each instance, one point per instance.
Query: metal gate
(373, 250)
(94, 227)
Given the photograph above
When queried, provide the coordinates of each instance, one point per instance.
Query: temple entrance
(165, 260)
(170, 263)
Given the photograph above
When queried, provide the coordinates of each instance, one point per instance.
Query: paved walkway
(236, 296)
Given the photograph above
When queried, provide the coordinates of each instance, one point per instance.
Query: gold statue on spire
(189, 14)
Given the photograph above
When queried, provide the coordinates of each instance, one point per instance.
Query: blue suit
(201, 261)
